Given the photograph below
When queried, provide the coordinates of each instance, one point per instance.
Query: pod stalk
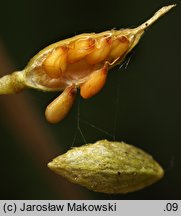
(154, 18)
(12, 83)
(135, 34)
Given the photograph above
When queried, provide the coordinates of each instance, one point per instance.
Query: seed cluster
(80, 57)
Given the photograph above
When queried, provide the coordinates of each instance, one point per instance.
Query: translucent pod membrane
(108, 167)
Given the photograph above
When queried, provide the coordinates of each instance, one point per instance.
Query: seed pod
(91, 47)
(76, 61)
(108, 167)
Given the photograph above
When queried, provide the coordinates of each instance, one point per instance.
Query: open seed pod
(82, 61)
(108, 167)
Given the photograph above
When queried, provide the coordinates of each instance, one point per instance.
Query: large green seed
(108, 167)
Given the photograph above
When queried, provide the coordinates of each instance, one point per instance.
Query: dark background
(143, 100)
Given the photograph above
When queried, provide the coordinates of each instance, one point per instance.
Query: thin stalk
(154, 18)
(12, 83)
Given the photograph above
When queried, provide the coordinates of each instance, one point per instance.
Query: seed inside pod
(108, 167)
(100, 52)
(119, 46)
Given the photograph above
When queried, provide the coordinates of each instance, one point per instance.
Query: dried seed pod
(108, 167)
(76, 62)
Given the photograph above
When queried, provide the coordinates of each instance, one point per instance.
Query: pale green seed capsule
(108, 167)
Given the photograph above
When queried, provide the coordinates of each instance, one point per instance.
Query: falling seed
(108, 167)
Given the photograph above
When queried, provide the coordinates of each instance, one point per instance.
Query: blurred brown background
(143, 101)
